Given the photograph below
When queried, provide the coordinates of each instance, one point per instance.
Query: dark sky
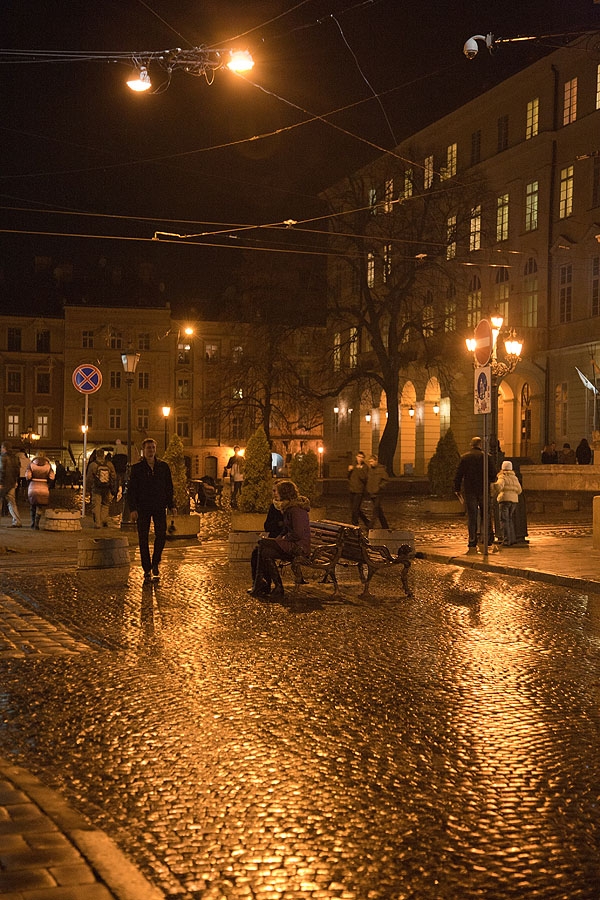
(75, 138)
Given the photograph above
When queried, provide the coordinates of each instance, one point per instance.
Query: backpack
(102, 477)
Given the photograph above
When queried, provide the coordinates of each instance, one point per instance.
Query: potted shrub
(304, 472)
(184, 525)
(440, 472)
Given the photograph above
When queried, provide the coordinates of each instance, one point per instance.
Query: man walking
(468, 481)
(150, 494)
(235, 465)
(357, 482)
(9, 479)
(103, 484)
(377, 479)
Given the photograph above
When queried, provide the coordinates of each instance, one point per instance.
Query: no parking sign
(87, 379)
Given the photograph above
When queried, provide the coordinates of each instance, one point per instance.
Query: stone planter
(186, 527)
(103, 553)
(61, 520)
(443, 507)
(392, 538)
(241, 545)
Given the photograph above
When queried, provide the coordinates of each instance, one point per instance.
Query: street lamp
(130, 361)
(29, 437)
(166, 411)
(320, 449)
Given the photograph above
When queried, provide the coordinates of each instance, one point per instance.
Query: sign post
(87, 380)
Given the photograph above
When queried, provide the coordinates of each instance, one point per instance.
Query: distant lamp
(84, 429)
(513, 346)
(471, 344)
(436, 408)
(240, 61)
(188, 330)
(411, 411)
(166, 411)
(336, 409)
(497, 321)
(368, 417)
(142, 82)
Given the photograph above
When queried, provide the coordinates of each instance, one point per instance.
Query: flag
(588, 384)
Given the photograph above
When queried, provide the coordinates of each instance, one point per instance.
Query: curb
(110, 866)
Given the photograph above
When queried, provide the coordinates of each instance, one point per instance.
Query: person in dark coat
(468, 482)
(377, 479)
(150, 494)
(583, 453)
(357, 483)
(294, 538)
(273, 526)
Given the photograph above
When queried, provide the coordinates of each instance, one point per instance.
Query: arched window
(474, 302)
(530, 294)
(501, 292)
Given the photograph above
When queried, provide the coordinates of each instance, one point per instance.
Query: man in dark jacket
(357, 482)
(468, 482)
(9, 479)
(150, 494)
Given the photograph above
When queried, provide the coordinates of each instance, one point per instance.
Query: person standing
(583, 453)
(103, 483)
(150, 494)
(377, 479)
(235, 465)
(567, 456)
(507, 489)
(468, 482)
(9, 478)
(357, 482)
(39, 473)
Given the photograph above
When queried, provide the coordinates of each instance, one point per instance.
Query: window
(42, 341)
(474, 302)
(596, 182)
(502, 218)
(449, 170)
(87, 340)
(475, 229)
(211, 353)
(143, 342)
(530, 293)
(428, 172)
(532, 120)
(143, 381)
(211, 431)
(183, 426)
(388, 195)
(475, 147)
(237, 428)
(353, 348)
(387, 262)
(115, 379)
(561, 398)
(14, 381)
(372, 197)
(183, 389)
(502, 133)
(114, 417)
(236, 354)
(531, 206)
(370, 269)
(143, 418)
(408, 183)
(337, 351)
(450, 310)
(451, 237)
(501, 292)
(427, 317)
(42, 381)
(565, 296)
(566, 192)
(237, 393)
(595, 309)
(14, 425)
(570, 102)
(90, 418)
(42, 426)
(116, 340)
(14, 340)
(184, 353)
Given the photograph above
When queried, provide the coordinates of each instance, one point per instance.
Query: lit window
(183, 389)
(337, 351)
(532, 121)
(428, 172)
(566, 192)
(449, 170)
(211, 353)
(530, 293)
(387, 262)
(570, 102)
(474, 302)
(42, 424)
(501, 292)
(451, 237)
(14, 426)
(184, 353)
(475, 229)
(388, 195)
(353, 348)
(372, 197)
(408, 183)
(370, 269)
(531, 206)
(427, 318)
(502, 218)
(565, 295)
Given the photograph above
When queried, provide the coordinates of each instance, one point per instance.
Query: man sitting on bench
(294, 539)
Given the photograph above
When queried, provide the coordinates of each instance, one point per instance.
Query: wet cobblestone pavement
(436, 748)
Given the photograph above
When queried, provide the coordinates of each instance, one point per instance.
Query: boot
(38, 516)
(260, 586)
(275, 578)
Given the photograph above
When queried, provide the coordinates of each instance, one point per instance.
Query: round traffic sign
(87, 379)
(483, 342)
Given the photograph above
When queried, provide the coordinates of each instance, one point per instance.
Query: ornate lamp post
(166, 411)
(130, 361)
(29, 438)
(489, 372)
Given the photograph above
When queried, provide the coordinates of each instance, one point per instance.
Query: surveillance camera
(471, 48)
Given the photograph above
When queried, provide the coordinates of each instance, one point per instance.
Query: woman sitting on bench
(294, 539)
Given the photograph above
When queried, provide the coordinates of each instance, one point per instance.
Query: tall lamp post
(29, 438)
(489, 372)
(130, 361)
(166, 411)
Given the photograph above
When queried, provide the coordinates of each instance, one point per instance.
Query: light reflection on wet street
(436, 748)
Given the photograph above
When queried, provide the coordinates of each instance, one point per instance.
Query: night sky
(75, 139)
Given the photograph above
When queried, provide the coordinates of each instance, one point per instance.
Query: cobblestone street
(431, 749)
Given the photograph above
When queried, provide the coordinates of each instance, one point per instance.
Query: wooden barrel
(103, 553)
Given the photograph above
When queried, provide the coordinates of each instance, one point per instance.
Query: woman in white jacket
(507, 489)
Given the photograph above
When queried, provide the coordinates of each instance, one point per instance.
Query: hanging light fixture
(142, 82)
(368, 417)
(436, 408)
(240, 61)
(411, 411)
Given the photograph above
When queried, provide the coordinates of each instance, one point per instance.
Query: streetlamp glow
(142, 82)
(166, 411)
(240, 61)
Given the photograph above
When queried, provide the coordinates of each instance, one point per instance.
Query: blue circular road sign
(87, 379)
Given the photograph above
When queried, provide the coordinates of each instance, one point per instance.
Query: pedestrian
(273, 526)
(357, 483)
(39, 475)
(150, 494)
(583, 453)
(377, 479)
(102, 480)
(10, 471)
(549, 455)
(567, 456)
(119, 461)
(507, 489)
(23, 463)
(235, 467)
(293, 539)
(468, 483)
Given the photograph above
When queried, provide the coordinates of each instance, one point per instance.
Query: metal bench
(326, 549)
